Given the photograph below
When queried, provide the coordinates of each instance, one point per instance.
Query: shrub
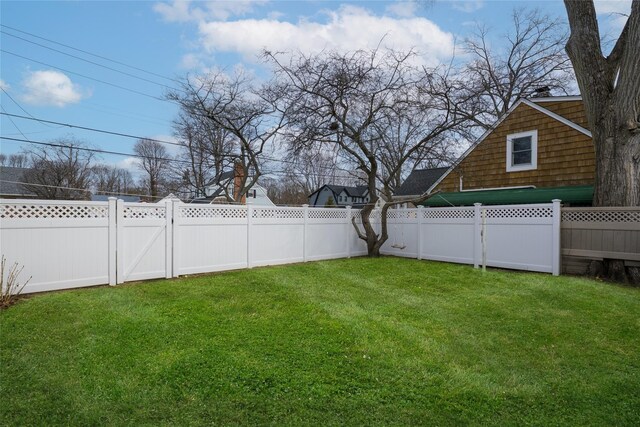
(11, 288)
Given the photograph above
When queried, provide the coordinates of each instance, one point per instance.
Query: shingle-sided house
(540, 150)
(339, 195)
(10, 187)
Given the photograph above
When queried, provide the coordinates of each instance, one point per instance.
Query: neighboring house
(540, 150)
(105, 198)
(418, 183)
(257, 195)
(340, 196)
(10, 187)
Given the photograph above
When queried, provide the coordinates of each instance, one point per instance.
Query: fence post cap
(112, 198)
(477, 204)
(556, 200)
(305, 205)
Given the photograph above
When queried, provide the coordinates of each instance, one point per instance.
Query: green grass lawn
(347, 342)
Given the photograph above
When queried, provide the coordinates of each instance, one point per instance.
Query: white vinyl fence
(73, 244)
(60, 244)
(522, 237)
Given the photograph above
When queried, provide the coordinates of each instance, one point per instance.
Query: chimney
(238, 176)
(541, 92)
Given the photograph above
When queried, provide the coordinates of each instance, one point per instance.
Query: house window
(522, 151)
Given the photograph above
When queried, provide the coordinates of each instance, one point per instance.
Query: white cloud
(614, 13)
(185, 10)
(403, 8)
(171, 149)
(346, 29)
(50, 87)
(468, 6)
(4, 85)
(275, 15)
(191, 61)
(613, 6)
(129, 163)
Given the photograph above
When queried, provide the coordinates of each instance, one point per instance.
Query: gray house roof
(351, 191)
(8, 178)
(419, 181)
(358, 191)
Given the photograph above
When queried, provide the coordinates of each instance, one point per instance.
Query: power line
(79, 189)
(105, 109)
(90, 53)
(93, 150)
(140, 137)
(85, 76)
(16, 102)
(126, 135)
(14, 123)
(119, 153)
(90, 62)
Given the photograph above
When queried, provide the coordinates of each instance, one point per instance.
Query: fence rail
(73, 244)
(599, 233)
(468, 235)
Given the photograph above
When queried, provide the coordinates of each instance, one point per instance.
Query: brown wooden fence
(599, 233)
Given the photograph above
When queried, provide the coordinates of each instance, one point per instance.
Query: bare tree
(17, 160)
(3, 159)
(112, 180)
(316, 166)
(610, 87)
(531, 57)
(244, 111)
(206, 152)
(286, 190)
(350, 101)
(154, 161)
(62, 171)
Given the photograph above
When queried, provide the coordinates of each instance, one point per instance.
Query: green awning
(582, 195)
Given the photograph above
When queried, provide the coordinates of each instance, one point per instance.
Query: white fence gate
(72, 244)
(145, 241)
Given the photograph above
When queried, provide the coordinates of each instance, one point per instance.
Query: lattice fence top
(327, 213)
(278, 213)
(626, 216)
(144, 212)
(460, 213)
(46, 211)
(402, 214)
(213, 212)
(530, 212)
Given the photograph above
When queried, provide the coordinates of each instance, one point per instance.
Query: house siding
(322, 198)
(570, 110)
(565, 155)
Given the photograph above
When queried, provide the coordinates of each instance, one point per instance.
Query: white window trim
(534, 151)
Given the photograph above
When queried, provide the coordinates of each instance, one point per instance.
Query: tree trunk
(610, 88)
(370, 236)
(617, 180)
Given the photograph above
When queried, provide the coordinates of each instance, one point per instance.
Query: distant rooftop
(419, 181)
(9, 182)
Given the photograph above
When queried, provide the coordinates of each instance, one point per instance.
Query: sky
(109, 64)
